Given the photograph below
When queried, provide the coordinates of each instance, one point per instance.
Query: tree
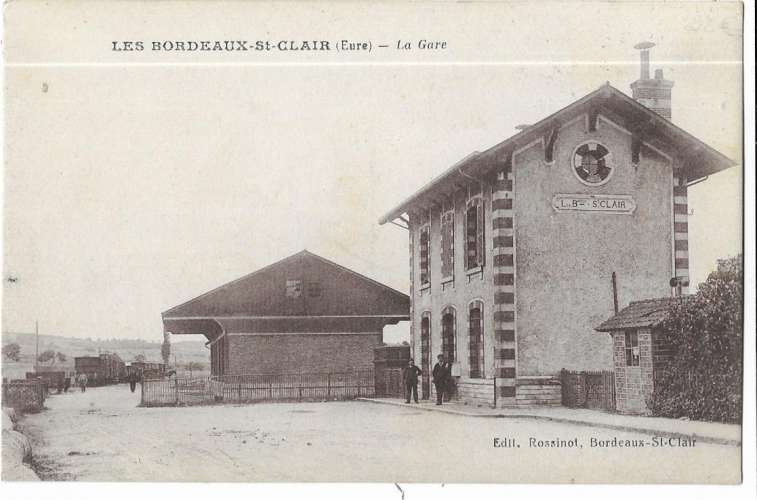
(140, 358)
(46, 356)
(61, 357)
(12, 351)
(705, 335)
(165, 348)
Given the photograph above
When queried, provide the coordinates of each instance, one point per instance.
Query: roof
(337, 292)
(700, 160)
(640, 314)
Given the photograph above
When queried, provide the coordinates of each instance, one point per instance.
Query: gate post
(328, 386)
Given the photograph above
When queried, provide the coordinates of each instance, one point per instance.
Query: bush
(702, 381)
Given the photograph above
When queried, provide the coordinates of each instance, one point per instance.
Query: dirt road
(102, 435)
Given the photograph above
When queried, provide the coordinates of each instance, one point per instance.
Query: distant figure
(81, 379)
(60, 384)
(410, 380)
(133, 379)
(441, 376)
(66, 383)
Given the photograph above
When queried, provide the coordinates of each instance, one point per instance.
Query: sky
(130, 188)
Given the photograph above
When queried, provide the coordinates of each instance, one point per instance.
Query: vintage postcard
(429, 242)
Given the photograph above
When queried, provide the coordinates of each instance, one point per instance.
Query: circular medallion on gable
(592, 163)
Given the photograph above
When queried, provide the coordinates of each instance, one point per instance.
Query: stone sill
(475, 381)
(474, 270)
(537, 381)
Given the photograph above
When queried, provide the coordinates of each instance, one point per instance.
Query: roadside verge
(706, 432)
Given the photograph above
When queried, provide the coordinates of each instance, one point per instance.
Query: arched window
(449, 344)
(476, 339)
(425, 354)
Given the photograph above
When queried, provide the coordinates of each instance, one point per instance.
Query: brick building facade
(303, 314)
(512, 250)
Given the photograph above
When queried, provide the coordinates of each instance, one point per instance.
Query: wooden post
(328, 385)
(176, 383)
(615, 291)
(239, 391)
(495, 390)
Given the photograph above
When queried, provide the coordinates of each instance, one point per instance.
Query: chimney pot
(654, 93)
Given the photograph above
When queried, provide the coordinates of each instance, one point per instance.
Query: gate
(594, 390)
(600, 390)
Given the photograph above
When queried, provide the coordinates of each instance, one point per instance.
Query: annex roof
(696, 158)
(640, 314)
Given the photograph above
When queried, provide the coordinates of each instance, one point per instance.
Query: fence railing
(250, 388)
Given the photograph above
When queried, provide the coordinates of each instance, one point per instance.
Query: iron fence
(249, 388)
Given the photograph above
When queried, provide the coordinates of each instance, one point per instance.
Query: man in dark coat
(133, 379)
(441, 375)
(410, 381)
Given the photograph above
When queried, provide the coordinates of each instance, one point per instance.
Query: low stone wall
(533, 391)
(17, 452)
(479, 392)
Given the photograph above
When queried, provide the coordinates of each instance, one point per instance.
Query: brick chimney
(653, 93)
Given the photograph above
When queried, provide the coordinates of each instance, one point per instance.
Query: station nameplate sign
(605, 203)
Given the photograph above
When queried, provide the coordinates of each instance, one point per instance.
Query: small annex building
(303, 314)
(638, 353)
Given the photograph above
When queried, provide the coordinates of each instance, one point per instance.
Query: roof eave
(716, 161)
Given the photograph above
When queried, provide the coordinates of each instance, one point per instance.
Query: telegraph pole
(36, 352)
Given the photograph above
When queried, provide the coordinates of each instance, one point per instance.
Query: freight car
(105, 369)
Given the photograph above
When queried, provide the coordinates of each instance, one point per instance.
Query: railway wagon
(105, 369)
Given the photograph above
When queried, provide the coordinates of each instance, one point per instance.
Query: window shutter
(424, 255)
(480, 249)
(447, 244)
(466, 249)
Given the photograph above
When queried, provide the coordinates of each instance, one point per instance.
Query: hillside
(184, 351)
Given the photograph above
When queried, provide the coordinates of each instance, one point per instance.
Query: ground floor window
(448, 334)
(476, 340)
(425, 354)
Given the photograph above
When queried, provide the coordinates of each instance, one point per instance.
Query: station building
(517, 252)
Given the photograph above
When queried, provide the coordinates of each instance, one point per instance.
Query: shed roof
(640, 314)
(696, 159)
(326, 292)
